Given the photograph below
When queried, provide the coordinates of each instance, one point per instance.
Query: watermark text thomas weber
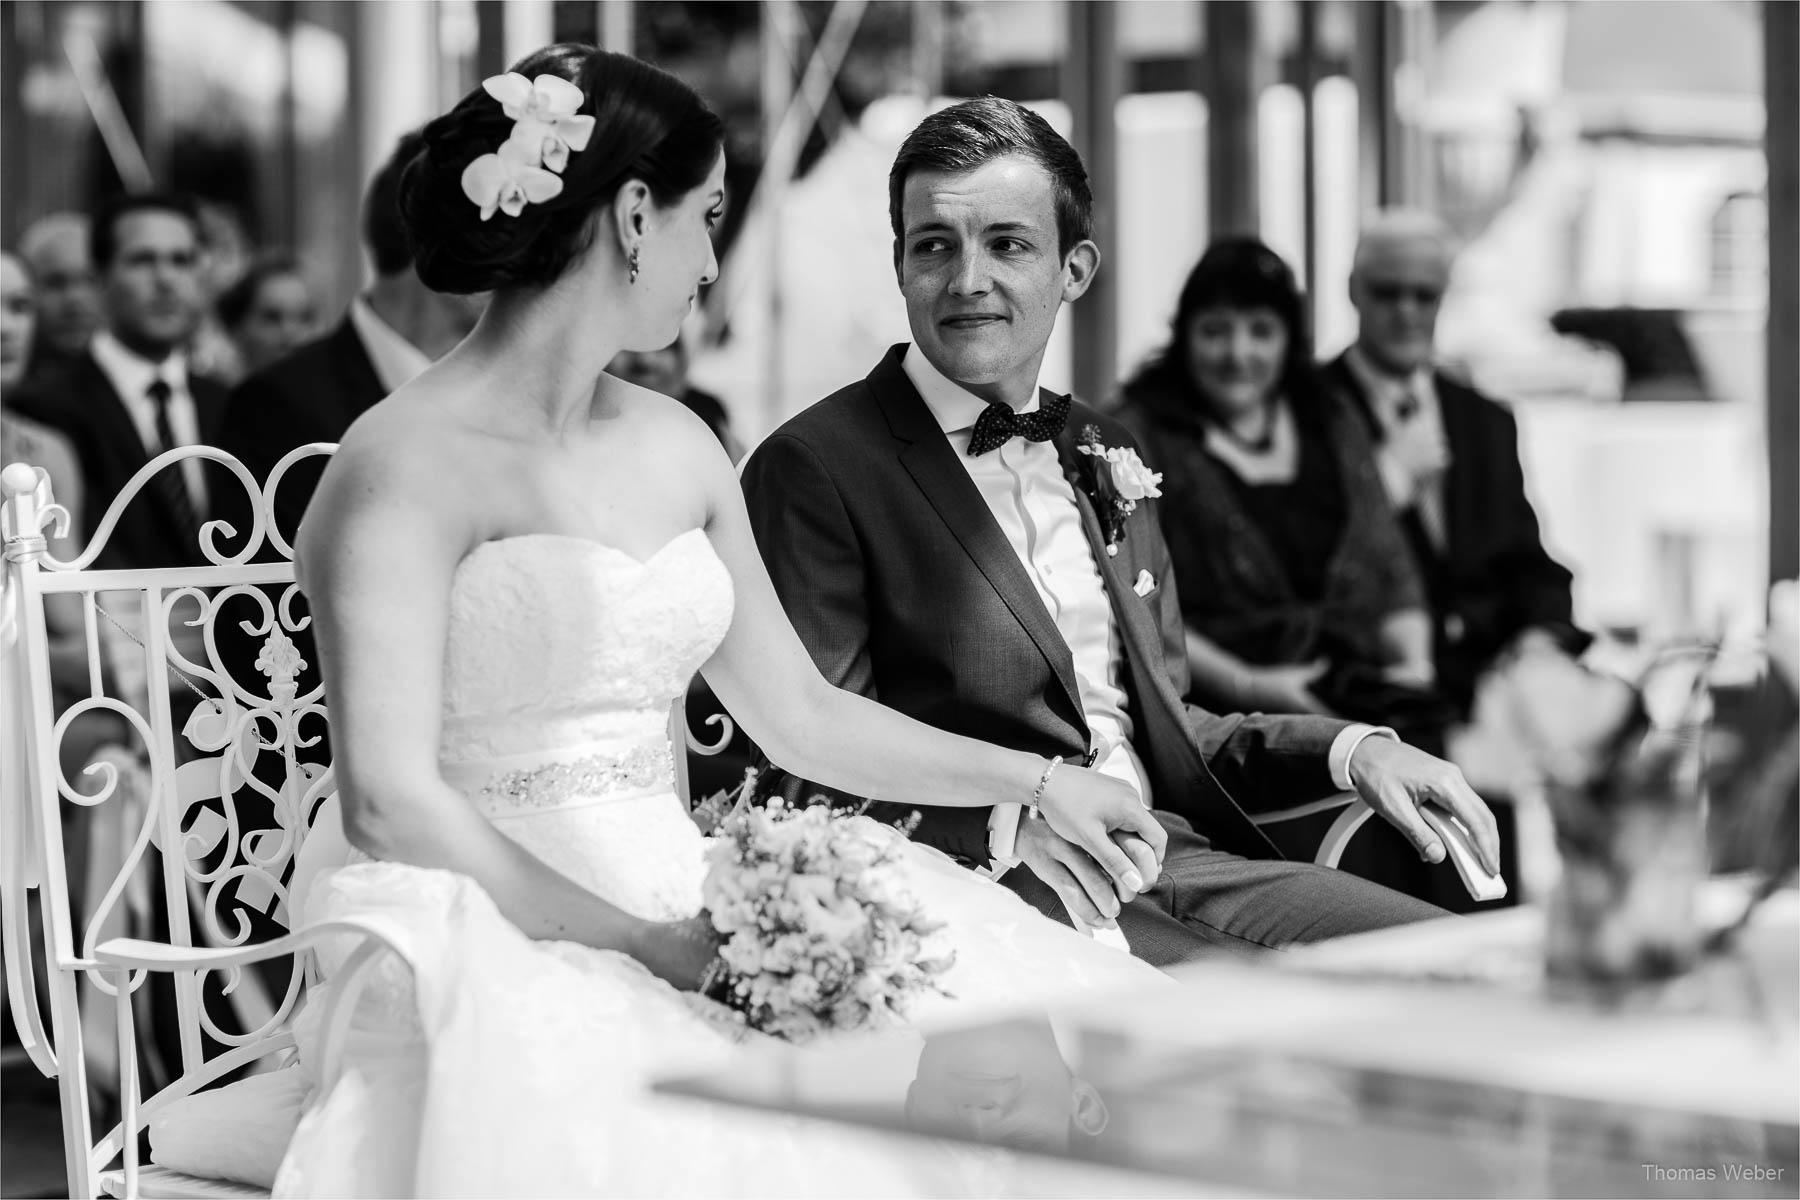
(1746, 1172)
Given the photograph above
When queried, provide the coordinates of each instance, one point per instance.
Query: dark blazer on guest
(80, 402)
(1493, 579)
(906, 590)
(311, 394)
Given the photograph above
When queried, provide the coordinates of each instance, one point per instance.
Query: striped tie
(171, 483)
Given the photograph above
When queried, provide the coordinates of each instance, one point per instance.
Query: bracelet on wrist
(1037, 794)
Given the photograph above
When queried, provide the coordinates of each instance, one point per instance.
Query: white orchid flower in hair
(544, 112)
(508, 180)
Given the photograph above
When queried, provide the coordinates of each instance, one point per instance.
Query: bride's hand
(679, 952)
(1087, 808)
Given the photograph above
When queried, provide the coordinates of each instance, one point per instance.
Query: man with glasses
(1449, 457)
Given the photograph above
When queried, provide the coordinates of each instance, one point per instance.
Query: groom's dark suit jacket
(906, 590)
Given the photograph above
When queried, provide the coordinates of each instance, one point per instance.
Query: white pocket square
(1146, 583)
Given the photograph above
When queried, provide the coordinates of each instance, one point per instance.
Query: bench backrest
(182, 693)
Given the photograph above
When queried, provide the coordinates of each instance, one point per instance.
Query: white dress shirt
(131, 376)
(1035, 506)
(395, 359)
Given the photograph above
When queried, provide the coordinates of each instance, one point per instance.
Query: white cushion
(238, 1132)
(160, 1183)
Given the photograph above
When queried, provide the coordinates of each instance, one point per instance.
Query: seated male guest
(396, 328)
(1449, 457)
(129, 395)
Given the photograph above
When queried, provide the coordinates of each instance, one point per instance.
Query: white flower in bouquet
(820, 933)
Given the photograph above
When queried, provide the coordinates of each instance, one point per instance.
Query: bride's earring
(634, 264)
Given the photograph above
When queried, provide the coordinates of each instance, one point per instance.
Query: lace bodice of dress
(556, 641)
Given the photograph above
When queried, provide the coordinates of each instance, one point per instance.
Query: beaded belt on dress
(550, 784)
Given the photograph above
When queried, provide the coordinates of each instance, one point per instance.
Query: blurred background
(1621, 173)
(1623, 177)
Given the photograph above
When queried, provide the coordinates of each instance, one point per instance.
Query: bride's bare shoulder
(407, 460)
(663, 426)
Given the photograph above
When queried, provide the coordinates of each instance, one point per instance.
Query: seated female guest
(1296, 584)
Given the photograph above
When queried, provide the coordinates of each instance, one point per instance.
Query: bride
(515, 564)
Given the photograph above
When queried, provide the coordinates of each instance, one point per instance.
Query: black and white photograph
(900, 599)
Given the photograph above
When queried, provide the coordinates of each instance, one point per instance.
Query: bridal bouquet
(820, 933)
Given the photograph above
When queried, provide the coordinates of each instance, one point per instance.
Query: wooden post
(490, 38)
(617, 23)
(780, 36)
(1092, 80)
(1373, 71)
(1306, 58)
(1781, 89)
(928, 47)
(1231, 91)
(1416, 38)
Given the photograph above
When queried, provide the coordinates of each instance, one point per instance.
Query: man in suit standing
(129, 395)
(944, 543)
(1449, 457)
(396, 328)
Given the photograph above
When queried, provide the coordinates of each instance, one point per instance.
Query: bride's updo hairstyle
(648, 125)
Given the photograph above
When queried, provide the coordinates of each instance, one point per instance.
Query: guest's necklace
(1273, 459)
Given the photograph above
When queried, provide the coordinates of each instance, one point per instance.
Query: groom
(942, 545)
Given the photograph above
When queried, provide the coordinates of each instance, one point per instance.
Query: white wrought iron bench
(209, 848)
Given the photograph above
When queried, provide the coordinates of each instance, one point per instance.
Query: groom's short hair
(966, 135)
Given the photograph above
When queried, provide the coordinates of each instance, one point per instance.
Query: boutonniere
(1117, 489)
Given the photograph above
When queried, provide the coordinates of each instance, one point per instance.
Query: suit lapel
(1463, 441)
(209, 407)
(112, 419)
(119, 454)
(928, 458)
(1137, 625)
(362, 386)
(1339, 372)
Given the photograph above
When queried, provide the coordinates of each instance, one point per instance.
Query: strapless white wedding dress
(489, 1064)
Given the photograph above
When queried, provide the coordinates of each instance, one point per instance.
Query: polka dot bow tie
(999, 424)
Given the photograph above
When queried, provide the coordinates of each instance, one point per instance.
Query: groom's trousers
(1208, 903)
